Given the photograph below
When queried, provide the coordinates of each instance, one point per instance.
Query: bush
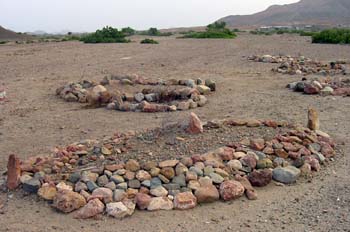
(3, 42)
(128, 31)
(216, 30)
(149, 41)
(106, 35)
(332, 36)
(155, 32)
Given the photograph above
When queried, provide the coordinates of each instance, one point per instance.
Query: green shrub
(332, 36)
(106, 35)
(3, 42)
(155, 32)
(128, 31)
(149, 41)
(216, 30)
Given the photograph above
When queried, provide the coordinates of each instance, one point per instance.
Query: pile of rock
(302, 66)
(156, 96)
(323, 87)
(86, 178)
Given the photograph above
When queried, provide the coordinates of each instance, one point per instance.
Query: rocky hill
(304, 12)
(6, 34)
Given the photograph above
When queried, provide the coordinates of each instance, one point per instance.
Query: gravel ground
(34, 120)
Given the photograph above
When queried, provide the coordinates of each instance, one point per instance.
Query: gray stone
(171, 186)
(119, 195)
(155, 182)
(123, 185)
(31, 185)
(208, 170)
(217, 179)
(151, 97)
(190, 83)
(117, 179)
(111, 185)
(180, 180)
(159, 191)
(197, 170)
(80, 186)
(91, 186)
(211, 84)
(102, 181)
(139, 97)
(146, 183)
(286, 175)
(260, 155)
(135, 184)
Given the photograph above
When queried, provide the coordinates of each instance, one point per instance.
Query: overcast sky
(89, 15)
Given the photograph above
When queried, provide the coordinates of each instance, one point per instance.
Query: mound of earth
(219, 160)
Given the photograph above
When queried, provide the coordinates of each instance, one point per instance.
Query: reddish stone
(226, 153)
(185, 200)
(197, 158)
(341, 92)
(13, 172)
(142, 200)
(311, 89)
(249, 190)
(294, 155)
(314, 163)
(257, 144)
(271, 123)
(260, 178)
(249, 160)
(281, 153)
(268, 150)
(230, 190)
(304, 151)
(207, 194)
(195, 125)
(289, 147)
(91, 209)
(327, 150)
(68, 201)
(114, 167)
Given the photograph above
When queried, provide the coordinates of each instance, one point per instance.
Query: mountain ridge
(304, 12)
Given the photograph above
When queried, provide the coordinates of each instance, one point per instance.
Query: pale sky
(89, 15)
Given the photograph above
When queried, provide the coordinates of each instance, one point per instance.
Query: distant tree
(153, 31)
(128, 31)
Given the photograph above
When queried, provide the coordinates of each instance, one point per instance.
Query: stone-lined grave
(124, 172)
(135, 93)
(303, 66)
(323, 86)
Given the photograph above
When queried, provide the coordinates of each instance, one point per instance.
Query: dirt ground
(34, 120)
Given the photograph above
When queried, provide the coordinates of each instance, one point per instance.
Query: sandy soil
(35, 120)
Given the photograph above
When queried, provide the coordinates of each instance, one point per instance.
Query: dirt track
(35, 120)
